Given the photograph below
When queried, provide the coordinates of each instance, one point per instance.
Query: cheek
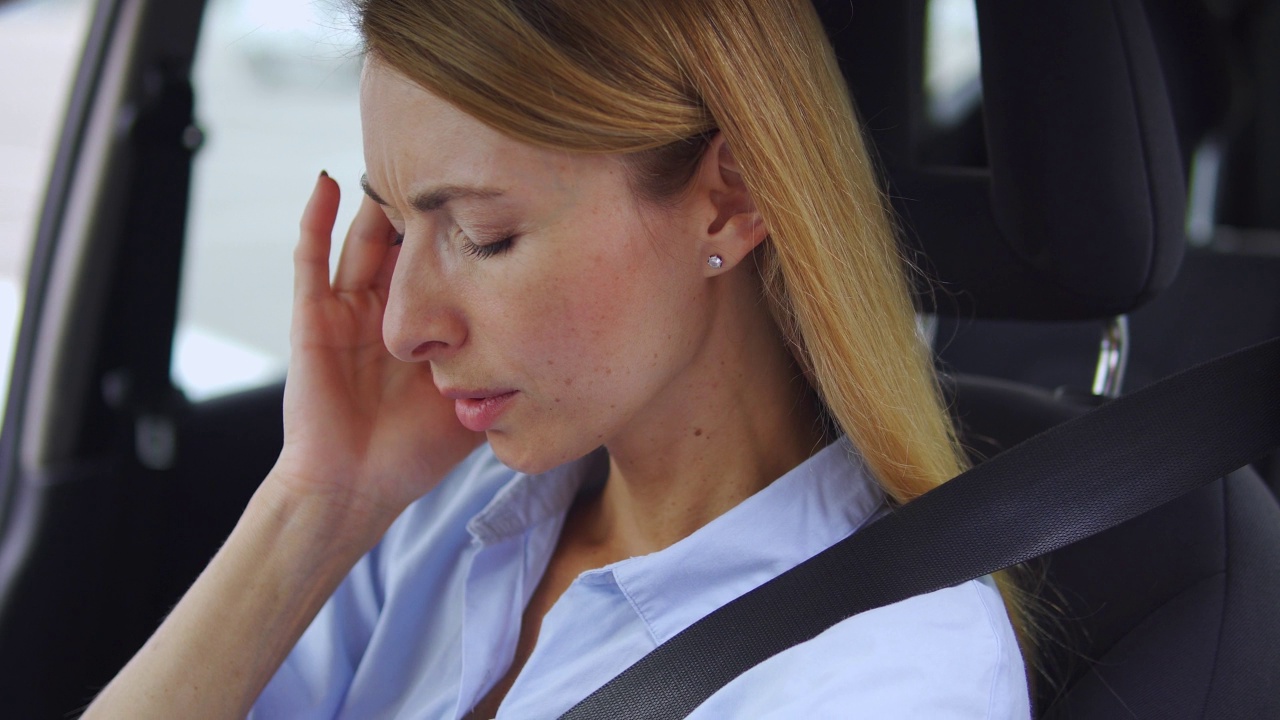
(580, 326)
(596, 329)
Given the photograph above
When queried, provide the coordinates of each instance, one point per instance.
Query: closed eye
(488, 250)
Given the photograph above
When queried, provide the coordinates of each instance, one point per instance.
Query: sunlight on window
(43, 38)
(952, 80)
(206, 364)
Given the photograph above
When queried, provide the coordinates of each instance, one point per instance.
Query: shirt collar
(814, 505)
(527, 500)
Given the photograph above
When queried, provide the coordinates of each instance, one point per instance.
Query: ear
(735, 227)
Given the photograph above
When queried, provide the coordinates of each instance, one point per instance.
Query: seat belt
(1079, 478)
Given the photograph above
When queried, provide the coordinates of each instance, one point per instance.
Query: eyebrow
(437, 197)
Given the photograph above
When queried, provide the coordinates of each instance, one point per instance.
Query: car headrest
(1195, 54)
(1079, 213)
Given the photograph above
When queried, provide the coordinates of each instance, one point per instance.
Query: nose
(422, 321)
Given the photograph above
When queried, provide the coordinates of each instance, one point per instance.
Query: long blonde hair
(653, 80)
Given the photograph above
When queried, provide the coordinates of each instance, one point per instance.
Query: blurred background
(276, 84)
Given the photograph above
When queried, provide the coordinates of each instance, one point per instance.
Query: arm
(365, 435)
(235, 626)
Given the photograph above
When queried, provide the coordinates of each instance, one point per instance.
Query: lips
(478, 410)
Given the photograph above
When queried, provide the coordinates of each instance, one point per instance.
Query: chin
(533, 456)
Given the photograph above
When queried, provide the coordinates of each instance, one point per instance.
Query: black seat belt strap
(1072, 481)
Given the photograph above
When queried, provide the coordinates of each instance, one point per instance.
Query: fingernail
(324, 173)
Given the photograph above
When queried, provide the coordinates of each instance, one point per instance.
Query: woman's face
(555, 307)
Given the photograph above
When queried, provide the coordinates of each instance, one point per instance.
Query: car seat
(1079, 216)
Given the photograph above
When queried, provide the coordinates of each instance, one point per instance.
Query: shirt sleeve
(317, 679)
(313, 680)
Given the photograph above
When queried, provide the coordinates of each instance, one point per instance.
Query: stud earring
(715, 261)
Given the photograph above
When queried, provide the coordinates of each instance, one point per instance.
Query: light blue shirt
(428, 621)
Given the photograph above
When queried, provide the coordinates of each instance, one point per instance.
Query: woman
(619, 333)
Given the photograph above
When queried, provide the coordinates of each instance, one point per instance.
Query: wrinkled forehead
(394, 107)
(414, 139)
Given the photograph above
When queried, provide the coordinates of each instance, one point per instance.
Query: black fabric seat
(1170, 615)
(1167, 616)
(1078, 218)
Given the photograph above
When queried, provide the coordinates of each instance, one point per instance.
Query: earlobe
(737, 227)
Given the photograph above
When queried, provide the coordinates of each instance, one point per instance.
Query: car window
(44, 39)
(276, 85)
(952, 62)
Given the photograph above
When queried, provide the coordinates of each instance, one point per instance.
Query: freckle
(613, 407)
(697, 431)
(608, 371)
(557, 399)
(655, 356)
(568, 382)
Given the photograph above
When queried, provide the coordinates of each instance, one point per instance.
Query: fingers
(365, 249)
(311, 256)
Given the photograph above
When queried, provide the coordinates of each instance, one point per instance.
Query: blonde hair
(654, 80)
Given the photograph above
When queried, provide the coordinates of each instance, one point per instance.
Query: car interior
(1103, 212)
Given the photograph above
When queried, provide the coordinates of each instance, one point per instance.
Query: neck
(739, 418)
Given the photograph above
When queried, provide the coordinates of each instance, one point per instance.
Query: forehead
(389, 99)
(413, 137)
(399, 118)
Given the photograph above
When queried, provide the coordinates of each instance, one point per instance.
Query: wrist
(327, 525)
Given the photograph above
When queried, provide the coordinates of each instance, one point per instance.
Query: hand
(364, 431)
